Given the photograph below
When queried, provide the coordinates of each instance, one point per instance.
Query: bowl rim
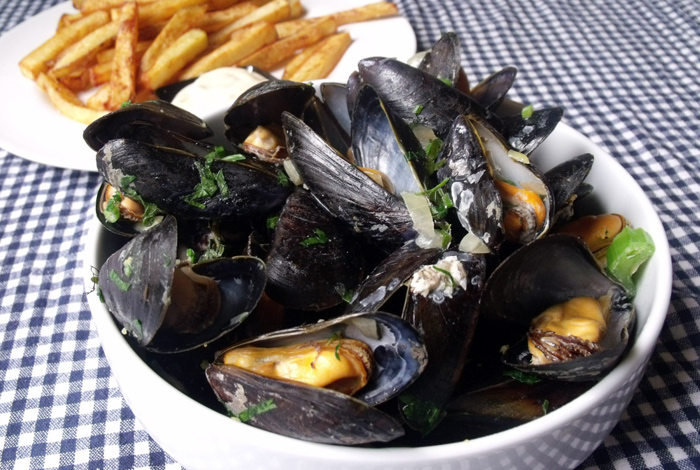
(636, 357)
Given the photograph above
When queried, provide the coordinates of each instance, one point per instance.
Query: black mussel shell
(156, 112)
(263, 104)
(566, 181)
(335, 95)
(526, 134)
(447, 324)
(307, 249)
(322, 120)
(491, 91)
(168, 177)
(418, 97)
(474, 194)
(443, 60)
(345, 190)
(384, 143)
(137, 285)
(321, 415)
(547, 272)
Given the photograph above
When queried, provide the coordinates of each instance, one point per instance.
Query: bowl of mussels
(402, 271)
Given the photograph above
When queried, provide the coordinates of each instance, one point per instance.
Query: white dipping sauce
(216, 90)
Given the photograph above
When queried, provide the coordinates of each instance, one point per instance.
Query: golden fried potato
(320, 60)
(174, 58)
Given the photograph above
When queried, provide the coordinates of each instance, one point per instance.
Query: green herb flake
(522, 377)
(527, 111)
(111, 211)
(432, 153)
(122, 285)
(255, 410)
(271, 221)
(125, 104)
(545, 406)
(319, 238)
(447, 82)
(137, 329)
(418, 109)
(282, 179)
(337, 336)
(448, 274)
(191, 256)
(424, 414)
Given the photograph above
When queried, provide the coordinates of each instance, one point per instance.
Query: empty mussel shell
(169, 306)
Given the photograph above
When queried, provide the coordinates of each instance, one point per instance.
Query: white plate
(32, 128)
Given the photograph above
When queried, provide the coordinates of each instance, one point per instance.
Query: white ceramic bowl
(199, 438)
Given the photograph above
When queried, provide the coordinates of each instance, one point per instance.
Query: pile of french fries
(111, 52)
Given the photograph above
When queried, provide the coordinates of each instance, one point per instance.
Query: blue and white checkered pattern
(627, 73)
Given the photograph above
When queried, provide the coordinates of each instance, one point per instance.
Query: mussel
(173, 306)
(266, 379)
(557, 272)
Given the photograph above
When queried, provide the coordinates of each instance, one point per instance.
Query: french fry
(100, 73)
(182, 21)
(38, 60)
(161, 10)
(108, 54)
(68, 19)
(271, 55)
(354, 15)
(222, 4)
(88, 6)
(295, 8)
(174, 58)
(322, 59)
(123, 78)
(80, 53)
(215, 20)
(243, 42)
(65, 101)
(274, 11)
(99, 100)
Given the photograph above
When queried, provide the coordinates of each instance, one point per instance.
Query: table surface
(627, 73)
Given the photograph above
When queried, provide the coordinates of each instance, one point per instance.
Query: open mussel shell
(140, 284)
(491, 91)
(416, 96)
(443, 61)
(318, 414)
(532, 203)
(263, 104)
(548, 272)
(344, 190)
(335, 95)
(474, 194)
(156, 112)
(566, 181)
(123, 226)
(525, 134)
(167, 177)
(384, 143)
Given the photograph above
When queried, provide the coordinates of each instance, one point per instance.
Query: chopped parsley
(425, 415)
(125, 104)
(418, 109)
(283, 179)
(122, 285)
(255, 410)
(337, 336)
(111, 211)
(137, 329)
(150, 211)
(523, 377)
(447, 82)
(209, 185)
(219, 153)
(271, 221)
(127, 266)
(527, 111)
(319, 238)
(545, 406)
(432, 153)
(448, 274)
(191, 256)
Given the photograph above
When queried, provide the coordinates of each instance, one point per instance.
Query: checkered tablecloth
(626, 71)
